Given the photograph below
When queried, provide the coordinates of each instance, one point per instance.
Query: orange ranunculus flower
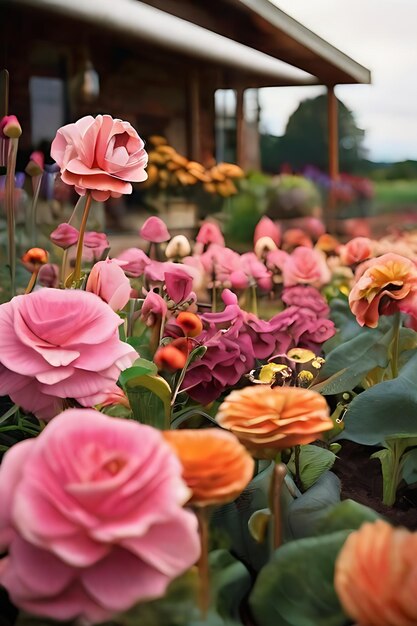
(383, 286)
(376, 576)
(216, 466)
(268, 420)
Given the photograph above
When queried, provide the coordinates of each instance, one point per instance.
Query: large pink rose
(57, 344)
(100, 155)
(92, 518)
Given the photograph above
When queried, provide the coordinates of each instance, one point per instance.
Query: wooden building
(158, 64)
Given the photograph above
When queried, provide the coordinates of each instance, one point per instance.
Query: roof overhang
(143, 22)
(292, 42)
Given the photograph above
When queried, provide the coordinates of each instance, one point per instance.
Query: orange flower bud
(216, 467)
(34, 258)
(376, 575)
(190, 324)
(268, 420)
(169, 358)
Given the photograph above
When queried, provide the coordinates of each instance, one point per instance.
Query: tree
(305, 141)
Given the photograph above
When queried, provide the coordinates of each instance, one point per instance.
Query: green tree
(305, 141)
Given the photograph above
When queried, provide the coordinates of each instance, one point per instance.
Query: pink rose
(108, 281)
(306, 266)
(57, 344)
(100, 155)
(92, 518)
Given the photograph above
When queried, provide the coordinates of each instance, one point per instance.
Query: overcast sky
(382, 36)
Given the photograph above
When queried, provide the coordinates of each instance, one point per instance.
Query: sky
(382, 36)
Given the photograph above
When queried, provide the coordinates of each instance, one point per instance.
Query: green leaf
(296, 587)
(139, 368)
(314, 461)
(150, 399)
(9, 413)
(409, 466)
(385, 410)
(304, 513)
(347, 515)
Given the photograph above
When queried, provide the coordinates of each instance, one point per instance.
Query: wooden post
(240, 127)
(333, 141)
(194, 121)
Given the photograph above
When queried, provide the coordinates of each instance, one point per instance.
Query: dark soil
(361, 479)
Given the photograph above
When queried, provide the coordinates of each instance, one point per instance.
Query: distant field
(395, 195)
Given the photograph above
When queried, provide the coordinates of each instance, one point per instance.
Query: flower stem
(10, 202)
(391, 474)
(36, 189)
(395, 345)
(297, 477)
(203, 562)
(79, 254)
(32, 281)
(277, 481)
(254, 300)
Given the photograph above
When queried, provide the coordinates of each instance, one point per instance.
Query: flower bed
(195, 436)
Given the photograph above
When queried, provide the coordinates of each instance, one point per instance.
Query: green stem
(395, 345)
(297, 477)
(391, 475)
(254, 300)
(10, 201)
(36, 189)
(79, 254)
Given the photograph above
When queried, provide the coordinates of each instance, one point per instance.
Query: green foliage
(296, 587)
(305, 141)
(243, 211)
(314, 461)
(347, 515)
(292, 196)
(385, 410)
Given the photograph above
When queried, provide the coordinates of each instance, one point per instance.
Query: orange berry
(169, 358)
(190, 324)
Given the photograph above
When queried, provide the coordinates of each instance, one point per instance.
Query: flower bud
(169, 358)
(190, 324)
(36, 164)
(178, 247)
(10, 127)
(108, 281)
(263, 245)
(154, 230)
(64, 236)
(34, 258)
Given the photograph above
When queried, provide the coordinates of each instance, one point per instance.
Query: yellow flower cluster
(167, 168)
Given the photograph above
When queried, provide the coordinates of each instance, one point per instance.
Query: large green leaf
(385, 410)
(346, 515)
(301, 516)
(296, 587)
(139, 368)
(314, 461)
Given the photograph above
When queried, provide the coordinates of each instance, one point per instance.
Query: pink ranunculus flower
(135, 261)
(306, 266)
(92, 518)
(102, 155)
(356, 250)
(64, 236)
(57, 344)
(108, 281)
(154, 230)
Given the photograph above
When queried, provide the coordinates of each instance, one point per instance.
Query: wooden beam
(240, 127)
(333, 155)
(194, 117)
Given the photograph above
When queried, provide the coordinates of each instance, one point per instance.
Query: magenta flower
(178, 284)
(154, 230)
(153, 308)
(57, 344)
(108, 281)
(92, 518)
(102, 155)
(64, 236)
(306, 297)
(256, 271)
(134, 262)
(48, 275)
